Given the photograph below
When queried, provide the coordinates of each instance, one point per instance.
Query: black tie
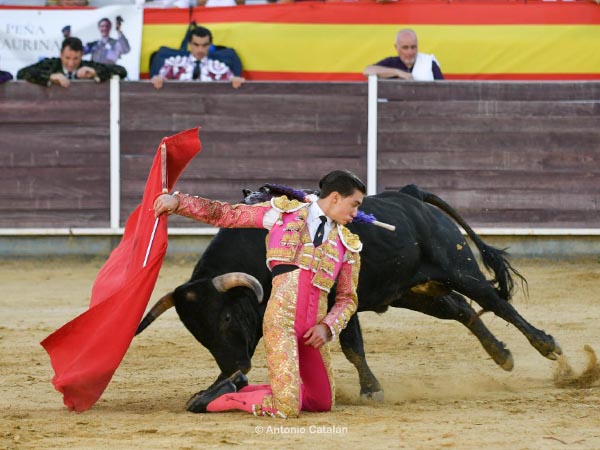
(196, 73)
(320, 231)
(70, 75)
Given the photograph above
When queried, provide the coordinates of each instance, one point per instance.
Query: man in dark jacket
(68, 67)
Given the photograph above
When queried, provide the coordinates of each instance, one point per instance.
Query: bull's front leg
(352, 344)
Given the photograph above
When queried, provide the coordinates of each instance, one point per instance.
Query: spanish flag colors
(335, 41)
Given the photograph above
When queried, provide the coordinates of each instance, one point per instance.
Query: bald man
(409, 64)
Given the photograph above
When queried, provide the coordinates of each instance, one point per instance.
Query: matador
(308, 250)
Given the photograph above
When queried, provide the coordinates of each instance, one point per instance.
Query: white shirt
(422, 69)
(314, 220)
(66, 72)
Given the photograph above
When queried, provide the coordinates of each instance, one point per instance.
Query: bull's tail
(166, 302)
(493, 259)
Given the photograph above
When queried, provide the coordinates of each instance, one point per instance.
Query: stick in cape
(163, 166)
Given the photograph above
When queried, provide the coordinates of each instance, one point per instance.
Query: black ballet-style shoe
(200, 400)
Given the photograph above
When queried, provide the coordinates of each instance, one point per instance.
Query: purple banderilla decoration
(300, 195)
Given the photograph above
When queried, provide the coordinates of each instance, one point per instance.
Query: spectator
(409, 64)
(5, 76)
(196, 66)
(69, 66)
(107, 50)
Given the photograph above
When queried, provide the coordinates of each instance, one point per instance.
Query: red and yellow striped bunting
(335, 41)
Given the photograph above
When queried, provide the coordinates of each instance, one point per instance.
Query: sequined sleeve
(221, 214)
(346, 300)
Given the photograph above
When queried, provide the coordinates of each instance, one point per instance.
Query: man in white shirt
(409, 64)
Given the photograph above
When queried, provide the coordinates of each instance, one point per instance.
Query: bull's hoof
(376, 396)
(554, 352)
(501, 356)
(509, 363)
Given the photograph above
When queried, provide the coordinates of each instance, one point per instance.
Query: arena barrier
(515, 158)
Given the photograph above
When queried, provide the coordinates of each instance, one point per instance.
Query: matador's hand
(318, 335)
(165, 203)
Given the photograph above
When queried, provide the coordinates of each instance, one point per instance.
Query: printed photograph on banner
(110, 35)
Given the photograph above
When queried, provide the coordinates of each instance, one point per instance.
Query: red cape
(86, 351)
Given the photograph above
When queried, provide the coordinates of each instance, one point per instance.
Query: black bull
(425, 265)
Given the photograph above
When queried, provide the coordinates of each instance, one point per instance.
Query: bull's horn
(166, 302)
(233, 279)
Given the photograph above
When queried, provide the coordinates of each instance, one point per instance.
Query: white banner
(27, 36)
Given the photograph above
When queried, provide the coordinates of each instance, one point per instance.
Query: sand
(441, 388)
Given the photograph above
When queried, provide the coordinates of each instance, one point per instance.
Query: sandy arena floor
(442, 390)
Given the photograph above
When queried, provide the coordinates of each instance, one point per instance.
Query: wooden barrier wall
(55, 156)
(263, 132)
(504, 154)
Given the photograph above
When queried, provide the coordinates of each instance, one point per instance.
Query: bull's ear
(246, 192)
(192, 290)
